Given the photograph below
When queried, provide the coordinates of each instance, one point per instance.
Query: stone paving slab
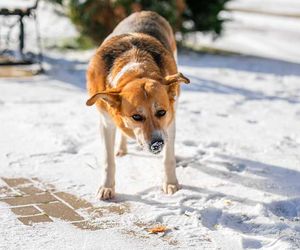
(30, 199)
(61, 211)
(23, 211)
(29, 220)
(74, 201)
(30, 190)
(85, 225)
(6, 192)
(34, 201)
(13, 182)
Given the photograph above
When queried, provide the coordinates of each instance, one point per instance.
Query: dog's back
(150, 23)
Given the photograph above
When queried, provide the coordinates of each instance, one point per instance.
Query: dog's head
(145, 107)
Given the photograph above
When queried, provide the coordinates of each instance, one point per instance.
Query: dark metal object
(26, 58)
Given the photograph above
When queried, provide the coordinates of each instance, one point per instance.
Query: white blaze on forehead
(155, 107)
(141, 110)
(129, 66)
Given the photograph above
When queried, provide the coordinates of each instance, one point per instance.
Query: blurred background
(268, 28)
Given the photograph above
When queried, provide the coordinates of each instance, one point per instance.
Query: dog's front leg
(122, 146)
(170, 185)
(107, 132)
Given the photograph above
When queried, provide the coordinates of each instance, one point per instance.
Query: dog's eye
(137, 117)
(160, 113)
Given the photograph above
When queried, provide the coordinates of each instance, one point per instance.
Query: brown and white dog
(134, 82)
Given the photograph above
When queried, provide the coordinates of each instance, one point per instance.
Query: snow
(55, 28)
(237, 148)
(8, 4)
(290, 7)
(250, 29)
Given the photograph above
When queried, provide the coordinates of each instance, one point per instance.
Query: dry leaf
(158, 229)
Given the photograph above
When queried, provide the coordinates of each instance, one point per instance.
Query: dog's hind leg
(122, 146)
(170, 185)
(107, 132)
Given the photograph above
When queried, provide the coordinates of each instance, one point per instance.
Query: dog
(134, 82)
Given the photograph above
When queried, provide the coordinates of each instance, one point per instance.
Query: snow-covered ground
(238, 143)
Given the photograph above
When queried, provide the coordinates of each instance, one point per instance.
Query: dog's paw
(170, 188)
(121, 152)
(105, 193)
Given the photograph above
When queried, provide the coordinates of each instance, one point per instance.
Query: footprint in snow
(234, 167)
(222, 115)
(197, 112)
(251, 243)
(210, 217)
(189, 143)
(185, 161)
(251, 121)
(289, 142)
(213, 144)
(288, 209)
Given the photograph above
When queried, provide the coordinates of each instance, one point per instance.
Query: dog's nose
(156, 146)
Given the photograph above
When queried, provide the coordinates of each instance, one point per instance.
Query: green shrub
(205, 15)
(97, 18)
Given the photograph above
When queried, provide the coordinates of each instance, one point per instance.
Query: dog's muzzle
(156, 146)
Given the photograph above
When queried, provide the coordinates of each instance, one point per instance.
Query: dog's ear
(176, 78)
(172, 82)
(111, 97)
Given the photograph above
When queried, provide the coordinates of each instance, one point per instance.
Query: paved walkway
(33, 201)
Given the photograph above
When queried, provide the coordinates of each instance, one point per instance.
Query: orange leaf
(158, 229)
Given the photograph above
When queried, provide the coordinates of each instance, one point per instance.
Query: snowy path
(238, 143)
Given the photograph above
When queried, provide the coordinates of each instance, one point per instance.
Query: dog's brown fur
(118, 49)
(147, 39)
